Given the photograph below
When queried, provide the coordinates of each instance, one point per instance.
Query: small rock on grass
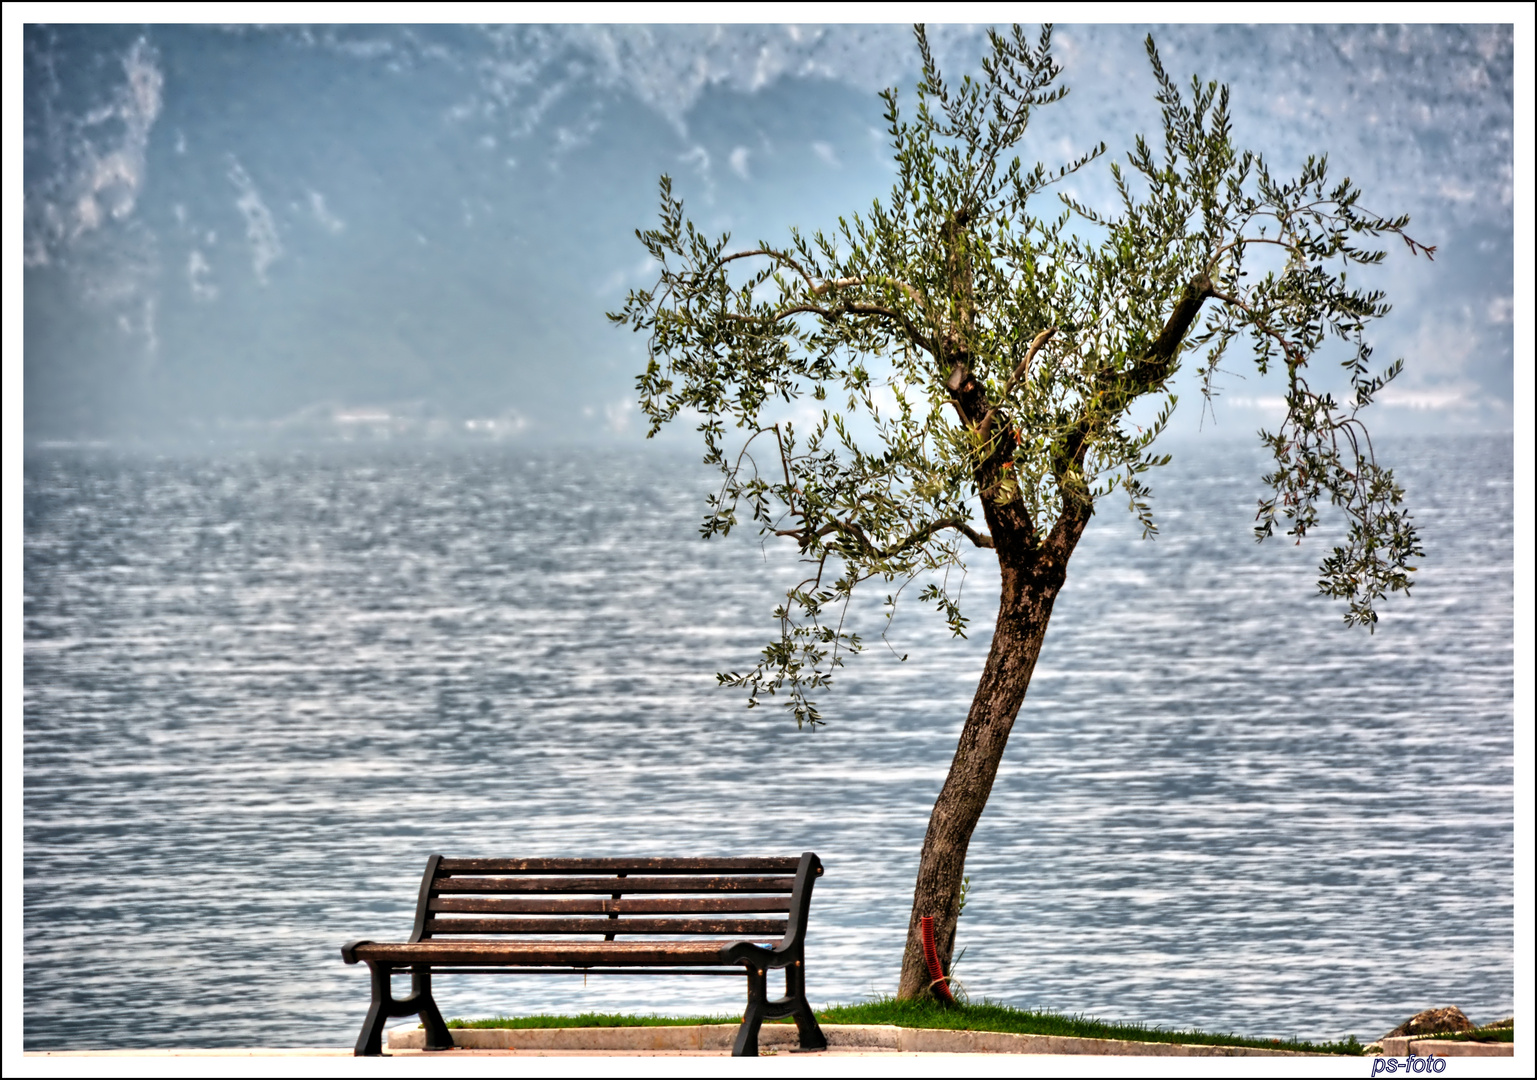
(1432, 1022)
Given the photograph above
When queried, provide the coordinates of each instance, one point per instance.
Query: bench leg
(385, 1005)
(746, 1044)
(793, 1004)
(371, 1037)
(438, 1035)
(805, 1020)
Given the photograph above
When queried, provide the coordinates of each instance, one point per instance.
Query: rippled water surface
(261, 688)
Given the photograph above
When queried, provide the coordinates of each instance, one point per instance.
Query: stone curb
(182, 1051)
(719, 1037)
(1404, 1045)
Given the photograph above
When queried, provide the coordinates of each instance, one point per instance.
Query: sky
(237, 232)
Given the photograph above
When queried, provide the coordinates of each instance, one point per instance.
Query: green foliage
(993, 353)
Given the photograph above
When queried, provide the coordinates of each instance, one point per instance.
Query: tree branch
(1116, 392)
(1154, 366)
(1291, 352)
(1019, 373)
(771, 253)
(1024, 365)
(842, 283)
(846, 307)
(913, 539)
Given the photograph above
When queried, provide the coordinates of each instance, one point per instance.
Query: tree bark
(1031, 579)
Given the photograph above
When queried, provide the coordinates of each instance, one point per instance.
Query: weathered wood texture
(557, 953)
(610, 885)
(667, 905)
(727, 927)
(745, 865)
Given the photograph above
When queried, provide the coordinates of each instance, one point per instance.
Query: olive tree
(994, 350)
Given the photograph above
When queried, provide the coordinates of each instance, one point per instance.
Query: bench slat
(719, 927)
(657, 905)
(548, 953)
(728, 865)
(628, 885)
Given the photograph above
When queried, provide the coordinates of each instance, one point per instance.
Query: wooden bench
(721, 916)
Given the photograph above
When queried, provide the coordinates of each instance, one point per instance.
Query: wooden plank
(718, 927)
(608, 885)
(551, 953)
(740, 864)
(654, 905)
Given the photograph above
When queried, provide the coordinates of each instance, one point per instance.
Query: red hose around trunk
(940, 981)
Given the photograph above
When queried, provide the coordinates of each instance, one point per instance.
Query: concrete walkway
(715, 1039)
(219, 1052)
(712, 1041)
(1433, 1047)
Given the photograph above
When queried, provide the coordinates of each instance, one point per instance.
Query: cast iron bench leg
(368, 1044)
(384, 1005)
(805, 1020)
(438, 1035)
(793, 1004)
(746, 1044)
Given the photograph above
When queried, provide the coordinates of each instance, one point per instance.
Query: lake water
(260, 688)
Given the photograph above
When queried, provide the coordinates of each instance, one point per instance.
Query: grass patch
(929, 1014)
(589, 1020)
(989, 1016)
(1485, 1035)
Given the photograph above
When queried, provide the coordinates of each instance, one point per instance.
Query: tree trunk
(1030, 584)
(1032, 576)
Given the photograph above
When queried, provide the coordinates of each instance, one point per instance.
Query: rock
(1432, 1022)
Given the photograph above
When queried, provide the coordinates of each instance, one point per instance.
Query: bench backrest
(746, 898)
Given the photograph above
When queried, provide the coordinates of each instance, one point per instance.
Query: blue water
(261, 687)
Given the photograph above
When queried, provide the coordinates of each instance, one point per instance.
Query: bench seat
(551, 953)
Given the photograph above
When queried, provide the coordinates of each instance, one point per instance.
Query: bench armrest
(750, 954)
(350, 950)
(791, 947)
